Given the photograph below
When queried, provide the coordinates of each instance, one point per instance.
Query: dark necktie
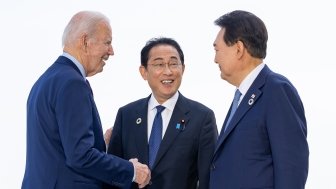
(234, 107)
(156, 135)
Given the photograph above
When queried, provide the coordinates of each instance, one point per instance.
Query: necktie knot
(159, 109)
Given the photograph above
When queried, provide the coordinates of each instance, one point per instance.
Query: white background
(301, 45)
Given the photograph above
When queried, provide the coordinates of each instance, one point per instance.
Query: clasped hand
(142, 174)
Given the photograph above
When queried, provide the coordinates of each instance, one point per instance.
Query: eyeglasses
(173, 66)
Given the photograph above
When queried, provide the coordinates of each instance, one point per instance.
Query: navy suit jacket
(265, 143)
(65, 143)
(185, 153)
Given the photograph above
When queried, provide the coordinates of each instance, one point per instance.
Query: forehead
(220, 34)
(104, 30)
(163, 51)
(219, 41)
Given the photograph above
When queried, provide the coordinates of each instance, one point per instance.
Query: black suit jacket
(185, 153)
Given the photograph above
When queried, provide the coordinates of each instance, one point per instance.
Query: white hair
(82, 22)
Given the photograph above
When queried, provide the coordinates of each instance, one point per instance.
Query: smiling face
(98, 49)
(164, 72)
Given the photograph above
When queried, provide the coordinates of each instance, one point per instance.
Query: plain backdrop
(301, 47)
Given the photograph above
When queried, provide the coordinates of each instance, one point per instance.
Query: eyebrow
(158, 58)
(172, 57)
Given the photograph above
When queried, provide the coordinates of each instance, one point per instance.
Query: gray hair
(82, 22)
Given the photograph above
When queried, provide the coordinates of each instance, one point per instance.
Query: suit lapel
(179, 114)
(250, 98)
(140, 130)
(66, 61)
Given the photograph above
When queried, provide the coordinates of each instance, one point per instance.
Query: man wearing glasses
(173, 135)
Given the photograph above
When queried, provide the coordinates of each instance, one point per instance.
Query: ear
(143, 71)
(83, 41)
(240, 49)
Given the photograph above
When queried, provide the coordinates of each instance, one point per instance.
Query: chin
(223, 76)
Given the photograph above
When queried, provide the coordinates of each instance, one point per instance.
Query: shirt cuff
(134, 176)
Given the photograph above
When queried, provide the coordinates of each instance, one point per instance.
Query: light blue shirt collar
(76, 62)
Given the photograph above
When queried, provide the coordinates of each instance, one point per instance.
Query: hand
(107, 136)
(142, 175)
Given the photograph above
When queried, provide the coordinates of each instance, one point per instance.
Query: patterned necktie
(234, 107)
(156, 135)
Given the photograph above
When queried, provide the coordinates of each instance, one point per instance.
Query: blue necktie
(156, 135)
(234, 107)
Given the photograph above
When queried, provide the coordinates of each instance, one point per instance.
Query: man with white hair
(65, 143)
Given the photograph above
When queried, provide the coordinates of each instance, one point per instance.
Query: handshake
(142, 173)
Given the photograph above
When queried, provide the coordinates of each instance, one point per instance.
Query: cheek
(219, 57)
(98, 51)
(151, 77)
(178, 79)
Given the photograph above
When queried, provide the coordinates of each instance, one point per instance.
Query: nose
(167, 69)
(110, 50)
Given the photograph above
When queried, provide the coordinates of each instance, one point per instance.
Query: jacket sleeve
(287, 129)
(79, 132)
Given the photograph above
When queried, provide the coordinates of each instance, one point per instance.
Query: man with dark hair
(173, 135)
(262, 143)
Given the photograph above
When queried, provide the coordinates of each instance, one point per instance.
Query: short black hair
(159, 41)
(245, 27)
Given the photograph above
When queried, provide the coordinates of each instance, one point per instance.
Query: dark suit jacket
(65, 144)
(265, 143)
(184, 155)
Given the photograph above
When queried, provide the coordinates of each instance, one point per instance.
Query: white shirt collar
(249, 79)
(169, 104)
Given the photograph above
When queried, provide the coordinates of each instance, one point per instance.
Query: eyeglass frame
(172, 65)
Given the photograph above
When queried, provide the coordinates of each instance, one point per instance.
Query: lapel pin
(138, 121)
(251, 101)
(182, 125)
(178, 126)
